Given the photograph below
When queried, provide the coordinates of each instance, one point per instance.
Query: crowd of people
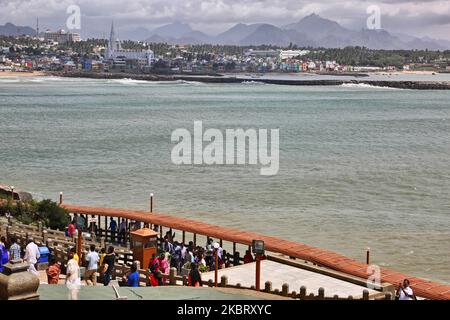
(117, 229)
(172, 254)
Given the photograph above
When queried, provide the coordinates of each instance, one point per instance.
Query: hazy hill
(10, 29)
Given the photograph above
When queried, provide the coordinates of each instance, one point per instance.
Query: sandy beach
(21, 74)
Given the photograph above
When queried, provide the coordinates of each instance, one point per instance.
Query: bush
(6, 206)
(26, 212)
(46, 211)
(52, 215)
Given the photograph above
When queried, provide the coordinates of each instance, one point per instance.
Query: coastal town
(64, 51)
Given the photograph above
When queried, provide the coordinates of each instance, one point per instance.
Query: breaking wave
(366, 86)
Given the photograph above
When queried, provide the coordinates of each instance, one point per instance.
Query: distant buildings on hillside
(61, 36)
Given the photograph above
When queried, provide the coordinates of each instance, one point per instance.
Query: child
(53, 271)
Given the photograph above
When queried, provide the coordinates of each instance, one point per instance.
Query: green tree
(52, 215)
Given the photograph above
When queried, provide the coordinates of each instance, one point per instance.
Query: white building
(115, 51)
(289, 54)
(61, 36)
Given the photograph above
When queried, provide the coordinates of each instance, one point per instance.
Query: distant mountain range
(9, 29)
(311, 31)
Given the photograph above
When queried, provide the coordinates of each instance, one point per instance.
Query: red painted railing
(423, 288)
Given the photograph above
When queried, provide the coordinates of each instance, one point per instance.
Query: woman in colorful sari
(164, 267)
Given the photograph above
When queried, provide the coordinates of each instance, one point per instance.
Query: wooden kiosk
(144, 244)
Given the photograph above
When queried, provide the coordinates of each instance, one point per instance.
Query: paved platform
(61, 292)
(279, 274)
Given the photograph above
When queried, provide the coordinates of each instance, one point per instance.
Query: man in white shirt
(32, 256)
(404, 291)
(91, 273)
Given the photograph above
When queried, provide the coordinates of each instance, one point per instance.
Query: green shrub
(52, 215)
(26, 211)
(6, 206)
(46, 211)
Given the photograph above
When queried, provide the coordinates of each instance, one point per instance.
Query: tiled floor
(279, 274)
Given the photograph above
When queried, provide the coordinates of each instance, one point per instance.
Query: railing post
(223, 281)
(172, 274)
(321, 293)
(44, 236)
(285, 289)
(268, 286)
(365, 295)
(302, 292)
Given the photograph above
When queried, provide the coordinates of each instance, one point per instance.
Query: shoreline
(415, 85)
(21, 74)
(234, 78)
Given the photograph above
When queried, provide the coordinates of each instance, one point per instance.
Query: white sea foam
(251, 82)
(366, 86)
(128, 81)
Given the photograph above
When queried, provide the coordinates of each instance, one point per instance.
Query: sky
(429, 18)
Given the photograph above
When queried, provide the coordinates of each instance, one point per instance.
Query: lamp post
(12, 193)
(368, 256)
(258, 248)
(60, 198)
(216, 264)
(151, 202)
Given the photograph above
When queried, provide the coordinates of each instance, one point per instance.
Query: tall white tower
(113, 43)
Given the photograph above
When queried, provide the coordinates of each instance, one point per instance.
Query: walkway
(279, 274)
(422, 287)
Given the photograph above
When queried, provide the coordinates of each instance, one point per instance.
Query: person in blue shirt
(4, 255)
(113, 228)
(133, 278)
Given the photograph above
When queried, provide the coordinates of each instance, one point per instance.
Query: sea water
(359, 167)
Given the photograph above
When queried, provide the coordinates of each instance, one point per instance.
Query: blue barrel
(45, 253)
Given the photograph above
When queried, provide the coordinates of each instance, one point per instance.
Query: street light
(151, 202)
(12, 193)
(258, 248)
(60, 198)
